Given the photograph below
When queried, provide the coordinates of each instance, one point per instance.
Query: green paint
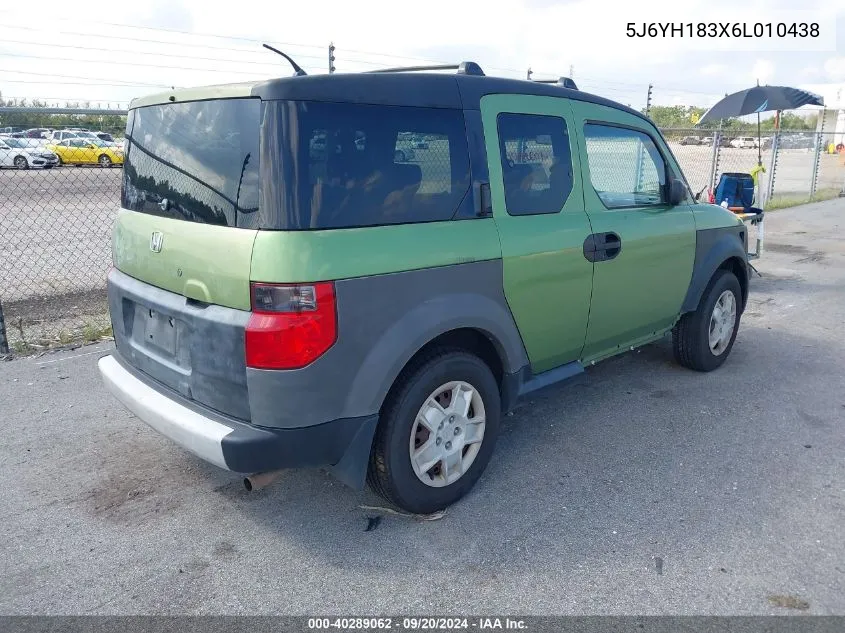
(639, 293)
(303, 256)
(712, 216)
(547, 280)
(200, 261)
(222, 91)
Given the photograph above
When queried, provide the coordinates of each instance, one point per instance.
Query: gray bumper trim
(191, 430)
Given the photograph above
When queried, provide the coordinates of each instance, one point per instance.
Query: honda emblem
(156, 241)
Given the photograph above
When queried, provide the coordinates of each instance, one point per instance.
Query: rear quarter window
(341, 165)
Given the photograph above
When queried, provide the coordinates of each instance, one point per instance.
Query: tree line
(113, 123)
(686, 116)
(663, 116)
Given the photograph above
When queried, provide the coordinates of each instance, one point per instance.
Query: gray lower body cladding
(383, 320)
(195, 350)
(712, 248)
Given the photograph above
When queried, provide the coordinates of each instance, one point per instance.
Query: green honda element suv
(364, 272)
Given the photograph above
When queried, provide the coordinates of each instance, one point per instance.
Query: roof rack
(566, 82)
(464, 68)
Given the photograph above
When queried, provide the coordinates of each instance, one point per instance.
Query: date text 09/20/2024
(416, 624)
(798, 30)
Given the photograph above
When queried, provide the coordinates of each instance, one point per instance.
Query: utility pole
(648, 100)
(528, 74)
(331, 58)
(571, 71)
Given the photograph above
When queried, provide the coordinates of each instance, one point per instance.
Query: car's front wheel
(21, 162)
(702, 340)
(437, 432)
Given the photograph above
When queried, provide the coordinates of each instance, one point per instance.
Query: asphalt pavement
(649, 489)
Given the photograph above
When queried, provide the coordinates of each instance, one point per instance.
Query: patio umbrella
(760, 99)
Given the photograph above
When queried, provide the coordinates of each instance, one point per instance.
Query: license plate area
(161, 331)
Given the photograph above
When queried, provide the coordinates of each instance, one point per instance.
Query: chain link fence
(59, 197)
(59, 189)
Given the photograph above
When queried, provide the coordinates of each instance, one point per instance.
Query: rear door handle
(600, 247)
(612, 245)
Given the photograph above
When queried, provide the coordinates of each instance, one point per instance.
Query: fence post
(714, 162)
(331, 58)
(816, 160)
(4, 341)
(770, 186)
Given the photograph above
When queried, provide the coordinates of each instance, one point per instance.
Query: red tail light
(291, 325)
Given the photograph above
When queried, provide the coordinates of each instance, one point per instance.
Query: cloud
(762, 71)
(546, 35)
(835, 68)
(713, 69)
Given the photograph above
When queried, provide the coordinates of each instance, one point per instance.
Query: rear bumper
(231, 444)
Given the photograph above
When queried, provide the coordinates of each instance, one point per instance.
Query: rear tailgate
(179, 295)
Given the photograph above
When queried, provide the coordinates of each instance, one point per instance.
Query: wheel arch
(717, 249)
(472, 322)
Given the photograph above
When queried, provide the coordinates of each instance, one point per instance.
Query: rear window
(339, 165)
(195, 161)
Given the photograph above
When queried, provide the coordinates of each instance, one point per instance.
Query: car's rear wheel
(437, 432)
(702, 340)
(21, 162)
(104, 161)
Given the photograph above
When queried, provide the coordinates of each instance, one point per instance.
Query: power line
(121, 63)
(139, 39)
(120, 50)
(596, 82)
(122, 81)
(193, 34)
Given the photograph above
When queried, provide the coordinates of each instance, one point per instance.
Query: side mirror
(677, 192)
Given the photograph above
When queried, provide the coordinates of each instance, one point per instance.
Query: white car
(58, 136)
(16, 152)
(744, 142)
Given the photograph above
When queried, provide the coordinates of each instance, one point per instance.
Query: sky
(109, 53)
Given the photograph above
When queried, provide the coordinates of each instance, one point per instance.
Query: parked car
(15, 152)
(38, 132)
(744, 142)
(419, 142)
(104, 136)
(692, 140)
(797, 141)
(378, 317)
(80, 151)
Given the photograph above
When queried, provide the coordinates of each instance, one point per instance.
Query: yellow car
(83, 151)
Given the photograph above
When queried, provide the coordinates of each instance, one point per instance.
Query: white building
(832, 124)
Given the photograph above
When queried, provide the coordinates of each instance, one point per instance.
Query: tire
(391, 472)
(399, 156)
(104, 161)
(691, 340)
(21, 162)
(59, 162)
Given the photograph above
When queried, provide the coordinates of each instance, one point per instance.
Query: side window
(536, 163)
(626, 168)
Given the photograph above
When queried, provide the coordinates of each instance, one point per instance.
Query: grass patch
(793, 200)
(92, 333)
(88, 332)
(789, 602)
